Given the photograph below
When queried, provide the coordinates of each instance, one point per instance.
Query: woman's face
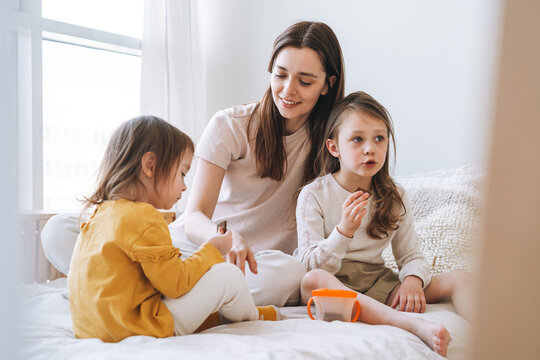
(298, 79)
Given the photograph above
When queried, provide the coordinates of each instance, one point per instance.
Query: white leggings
(277, 283)
(222, 288)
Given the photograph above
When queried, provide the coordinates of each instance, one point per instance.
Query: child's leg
(455, 285)
(224, 289)
(375, 313)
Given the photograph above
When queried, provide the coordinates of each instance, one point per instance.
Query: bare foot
(434, 335)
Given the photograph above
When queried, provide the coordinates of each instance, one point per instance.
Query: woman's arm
(200, 209)
(202, 202)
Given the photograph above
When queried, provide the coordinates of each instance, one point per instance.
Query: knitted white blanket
(446, 208)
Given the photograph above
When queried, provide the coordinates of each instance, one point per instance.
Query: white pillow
(446, 208)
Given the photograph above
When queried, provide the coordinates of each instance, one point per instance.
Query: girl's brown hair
(387, 204)
(268, 136)
(121, 164)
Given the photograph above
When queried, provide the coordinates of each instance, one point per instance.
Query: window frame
(33, 29)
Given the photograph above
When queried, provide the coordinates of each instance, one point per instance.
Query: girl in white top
(254, 158)
(347, 217)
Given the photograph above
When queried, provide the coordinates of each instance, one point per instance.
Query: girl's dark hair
(387, 204)
(121, 164)
(268, 135)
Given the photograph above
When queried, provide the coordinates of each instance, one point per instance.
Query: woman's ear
(331, 82)
(332, 147)
(148, 164)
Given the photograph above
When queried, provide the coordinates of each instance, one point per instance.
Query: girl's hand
(240, 253)
(222, 242)
(410, 296)
(352, 212)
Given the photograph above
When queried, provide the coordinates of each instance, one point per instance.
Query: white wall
(431, 63)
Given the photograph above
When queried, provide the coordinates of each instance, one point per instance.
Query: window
(90, 77)
(86, 93)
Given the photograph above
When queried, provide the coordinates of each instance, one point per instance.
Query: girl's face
(170, 189)
(361, 145)
(298, 79)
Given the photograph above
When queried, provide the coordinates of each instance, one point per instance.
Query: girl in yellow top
(126, 278)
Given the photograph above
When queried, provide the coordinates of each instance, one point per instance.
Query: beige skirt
(375, 281)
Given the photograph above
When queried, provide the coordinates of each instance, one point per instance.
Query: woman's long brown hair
(387, 204)
(121, 164)
(267, 138)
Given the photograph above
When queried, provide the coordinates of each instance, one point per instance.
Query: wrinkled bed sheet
(45, 333)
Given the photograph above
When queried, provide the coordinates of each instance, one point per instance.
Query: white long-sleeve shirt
(321, 246)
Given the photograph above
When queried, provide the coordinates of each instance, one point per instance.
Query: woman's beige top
(261, 210)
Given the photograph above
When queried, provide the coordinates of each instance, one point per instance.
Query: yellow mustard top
(123, 262)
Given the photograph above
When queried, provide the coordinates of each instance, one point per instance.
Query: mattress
(45, 332)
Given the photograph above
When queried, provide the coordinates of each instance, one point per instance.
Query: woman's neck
(293, 125)
(352, 182)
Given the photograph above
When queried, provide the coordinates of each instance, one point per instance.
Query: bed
(446, 209)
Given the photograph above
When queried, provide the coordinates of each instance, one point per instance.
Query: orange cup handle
(357, 311)
(309, 308)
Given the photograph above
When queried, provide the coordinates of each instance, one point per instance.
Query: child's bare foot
(434, 335)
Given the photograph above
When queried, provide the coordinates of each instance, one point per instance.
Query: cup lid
(334, 293)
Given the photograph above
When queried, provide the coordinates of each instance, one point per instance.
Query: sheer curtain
(172, 68)
(172, 79)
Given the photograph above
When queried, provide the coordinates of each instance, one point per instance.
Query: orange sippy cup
(332, 304)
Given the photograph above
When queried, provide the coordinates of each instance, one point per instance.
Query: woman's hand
(410, 296)
(222, 242)
(352, 212)
(240, 253)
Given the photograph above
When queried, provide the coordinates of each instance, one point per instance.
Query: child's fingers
(402, 303)
(409, 307)
(353, 210)
(359, 200)
(355, 196)
(417, 304)
(395, 301)
(423, 307)
(360, 214)
(362, 204)
(349, 200)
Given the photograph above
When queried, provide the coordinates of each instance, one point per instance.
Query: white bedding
(46, 334)
(445, 206)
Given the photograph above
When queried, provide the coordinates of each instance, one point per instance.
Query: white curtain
(173, 77)
(173, 73)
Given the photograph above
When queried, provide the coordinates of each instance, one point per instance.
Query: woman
(252, 161)
(254, 158)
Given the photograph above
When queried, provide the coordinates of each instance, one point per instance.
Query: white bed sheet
(46, 333)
